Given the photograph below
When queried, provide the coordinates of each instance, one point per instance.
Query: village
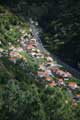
(49, 70)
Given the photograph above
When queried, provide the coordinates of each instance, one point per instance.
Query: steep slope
(33, 86)
(60, 20)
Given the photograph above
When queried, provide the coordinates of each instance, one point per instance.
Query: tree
(58, 105)
(21, 102)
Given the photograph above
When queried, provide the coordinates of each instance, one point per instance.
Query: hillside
(33, 86)
(60, 21)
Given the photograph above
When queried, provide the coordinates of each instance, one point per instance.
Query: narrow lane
(35, 32)
(36, 36)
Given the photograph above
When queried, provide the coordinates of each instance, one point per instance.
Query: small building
(33, 39)
(67, 75)
(73, 85)
(48, 71)
(74, 103)
(0, 42)
(49, 59)
(14, 54)
(29, 47)
(32, 54)
(41, 74)
(52, 84)
(42, 67)
(33, 50)
(78, 96)
(1, 50)
(19, 49)
(61, 82)
(49, 79)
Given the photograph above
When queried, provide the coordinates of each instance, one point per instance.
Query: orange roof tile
(78, 95)
(72, 84)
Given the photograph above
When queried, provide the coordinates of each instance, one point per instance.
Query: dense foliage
(60, 20)
(21, 96)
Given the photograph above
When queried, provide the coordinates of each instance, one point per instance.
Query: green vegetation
(10, 25)
(21, 95)
(60, 20)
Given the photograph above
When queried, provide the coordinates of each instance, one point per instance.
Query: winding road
(35, 32)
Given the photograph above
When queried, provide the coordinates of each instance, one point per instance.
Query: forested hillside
(33, 86)
(60, 20)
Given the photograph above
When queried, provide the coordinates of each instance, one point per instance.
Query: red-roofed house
(73, 85)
